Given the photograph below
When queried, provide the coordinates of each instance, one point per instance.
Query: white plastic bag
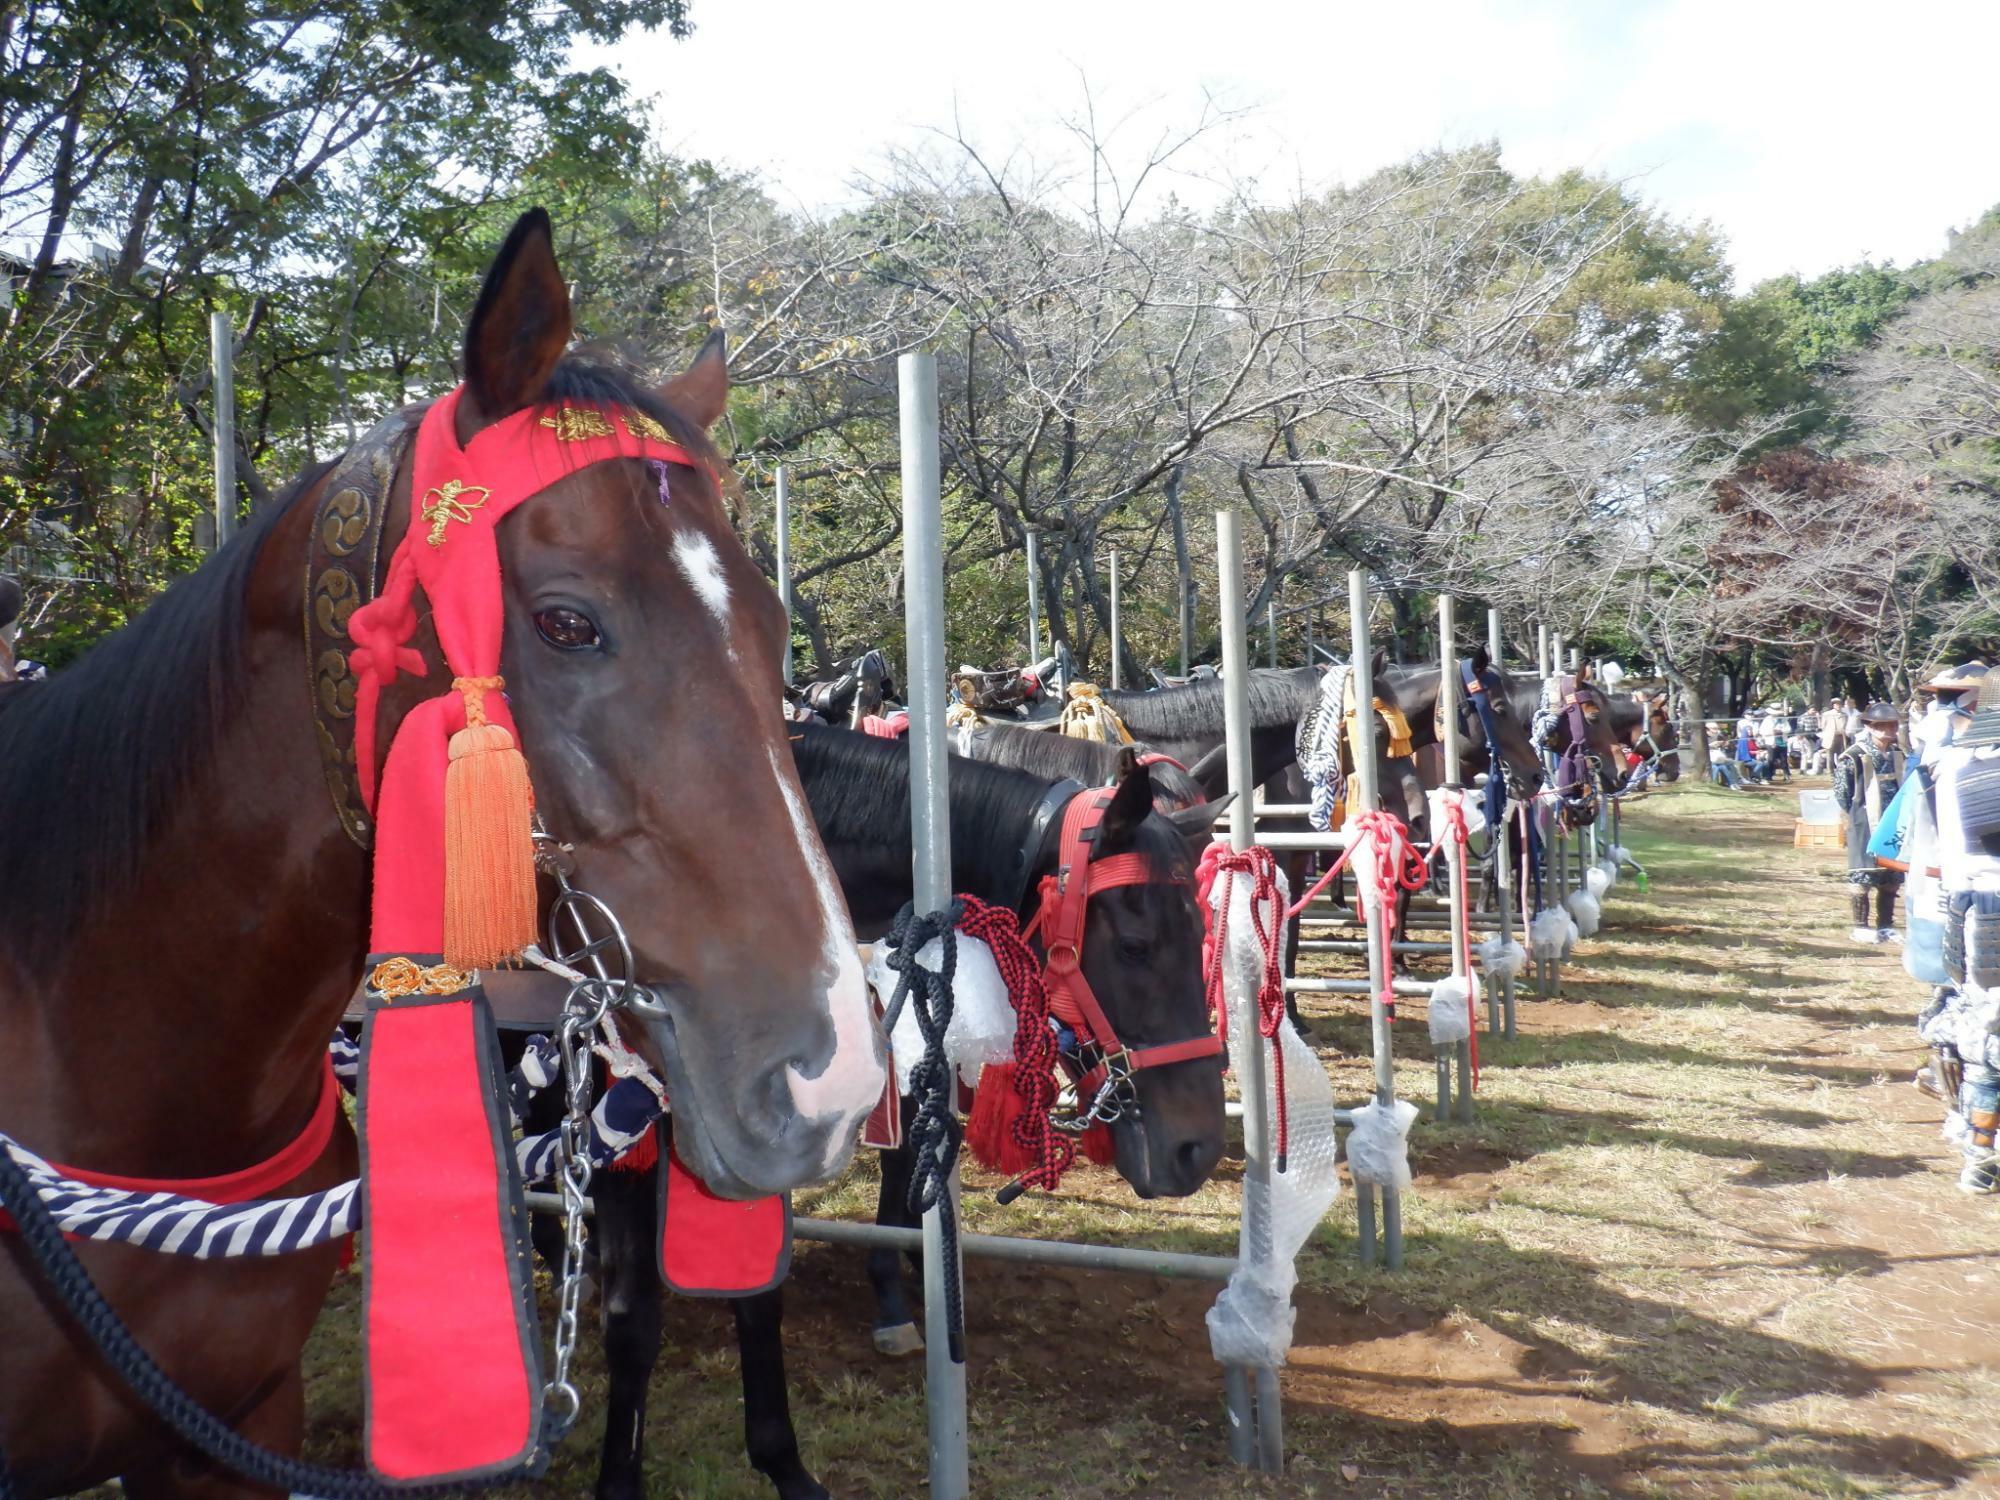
(1500, 959)
(1450, 1011)
(1610, 868)
(1251, 1321)
(1584, 910)
(982, 1017)
(1475, 817)
(1378, 1148)
(1549, 933)
(1596, 882)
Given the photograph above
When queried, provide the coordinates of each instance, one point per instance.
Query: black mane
(92, 760)
(859, 789)
(1276, 697)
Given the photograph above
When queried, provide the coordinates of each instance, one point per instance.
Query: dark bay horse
(1141, 954)
(187, 915)
(1416, 690)
(1186, 722)
(1648, 729)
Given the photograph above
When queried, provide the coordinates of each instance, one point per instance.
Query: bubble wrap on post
(1620, 856)
(1610, 868)
(1549, 932)
(1500, 958)
(1378, 1147)
(1596, 881)
(982, 1017)
(1251, 1322)
(1451, 1011)
(1584, 911)
(1475, 816)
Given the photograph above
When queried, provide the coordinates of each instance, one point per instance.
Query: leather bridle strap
(1054, 800)
(342, 564)
(1060, 920)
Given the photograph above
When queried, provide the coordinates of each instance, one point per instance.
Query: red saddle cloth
(712, 1246)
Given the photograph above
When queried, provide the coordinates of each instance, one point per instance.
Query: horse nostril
(1194, 1159)
(768, 1108)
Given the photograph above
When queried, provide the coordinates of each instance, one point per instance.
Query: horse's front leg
(896, 1329)
(768, 1435)
(627, 1232)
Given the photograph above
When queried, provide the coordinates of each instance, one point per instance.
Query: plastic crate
(1819, 835)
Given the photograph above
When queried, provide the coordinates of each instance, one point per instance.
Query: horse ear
(1197, 824)
(702, 389)
(1130, 805)
(521, 323)
(1583, 671)
(1379, 663)
(1211, 773)
(1480, 661)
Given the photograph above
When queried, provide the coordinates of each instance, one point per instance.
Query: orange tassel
(643, 1155)
(989, 1131)
(490, 902)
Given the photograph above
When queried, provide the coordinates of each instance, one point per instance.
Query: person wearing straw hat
(1865, 778)
(1953, 694)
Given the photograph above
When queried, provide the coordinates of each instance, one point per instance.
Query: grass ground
(1703, 1240)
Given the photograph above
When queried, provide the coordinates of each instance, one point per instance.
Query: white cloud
(1811, 135)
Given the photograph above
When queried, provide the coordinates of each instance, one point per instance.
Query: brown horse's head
(642, 658)
(1666, 738)
(1142, 958)
(1517, 747)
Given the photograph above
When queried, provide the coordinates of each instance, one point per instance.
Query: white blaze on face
(698, 561)
(850, 1084)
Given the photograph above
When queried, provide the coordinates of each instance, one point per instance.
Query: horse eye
(567, 630)
(1134, 950)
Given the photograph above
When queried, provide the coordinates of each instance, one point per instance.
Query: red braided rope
(1397, 868)
(1219, 861)
(1035, 1057)
(1461, 836)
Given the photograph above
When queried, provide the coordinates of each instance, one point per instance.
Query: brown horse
(186, 916)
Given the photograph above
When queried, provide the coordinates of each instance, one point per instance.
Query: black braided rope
(189, 1420)
(935, 1130)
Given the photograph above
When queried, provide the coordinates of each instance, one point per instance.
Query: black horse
(1141, 955)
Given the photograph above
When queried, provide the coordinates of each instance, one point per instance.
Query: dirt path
(1703, 1241)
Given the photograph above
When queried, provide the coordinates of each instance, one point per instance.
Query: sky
(1811, 135)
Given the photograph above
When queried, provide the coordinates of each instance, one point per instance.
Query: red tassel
(490, 901)
(989, 1133)
(642, 1155)
(1099, 1147)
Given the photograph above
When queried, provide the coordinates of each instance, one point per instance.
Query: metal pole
(1271, 626)
(222, 362)
(1542, 650)
(785, 561)
(1378, 1018)
(1187, 622)
(923, 623)
(1500, 1008)
(1454, 783)
(1117, 632)
(1260, 1418)
(1309, 638)
(1034, 597)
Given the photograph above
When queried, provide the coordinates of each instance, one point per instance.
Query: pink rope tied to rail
(1267, 918)
(1461, 839)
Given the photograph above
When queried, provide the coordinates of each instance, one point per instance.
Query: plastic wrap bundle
(1596, 882)
(1251, 1322)
(1378, 1147)
(1549, 933)
(982, 1017)
(1451, 1011)
(1610, 868)
(1475, 815)
(1621, 856)
(1500, 959)
(1584, 910)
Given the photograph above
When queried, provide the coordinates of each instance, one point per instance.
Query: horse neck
(875, 858)
(185, 1033)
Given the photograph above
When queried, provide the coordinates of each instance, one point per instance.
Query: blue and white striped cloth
(192, 1227)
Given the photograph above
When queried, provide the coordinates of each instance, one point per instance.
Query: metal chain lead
(599, 970)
